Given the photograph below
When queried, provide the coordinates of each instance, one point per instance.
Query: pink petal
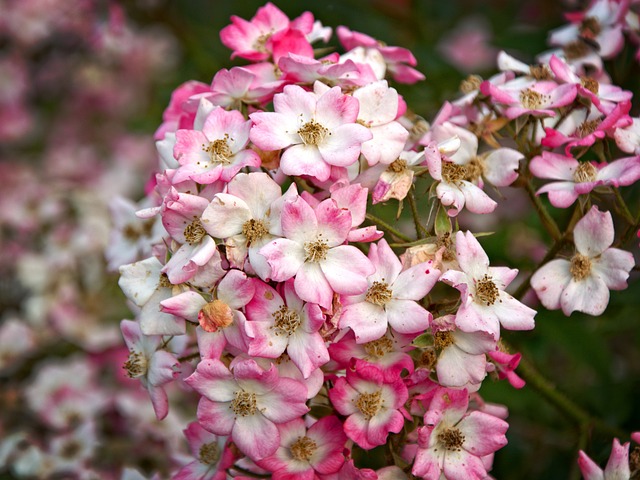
(368, 321)
(476, 200)
(484, 433)
(346, 269)
(554, 166)
(255, 436)
(406, 316)
(285, 257)
(561, 194)
(225, 216)
(589, 295)
(216, 417)
(342, 147)
(312, 286)
(613, 266)
(550, 281)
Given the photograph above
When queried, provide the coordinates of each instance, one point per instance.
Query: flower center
(136, 365)
(254, 230)
(540, 72)
(312, 133)
(427, 358)
(576, 49)
(585, 172)
(260, 44)
(369, 403)
(379, 294)
(590, 84)
(474, 169)
(580, 267)
(486, 290)
(443, 339)
(303, 448)
(397, 166)
(244, 404)
(470, 84)
(531, 99)
(215, 315)
(71, 449)
(209, 453)
(587, 128)
(286, 321)
(316, 251)
(163, 281)
(453, 173)
(590, 28)
(378, 348)
(451, 438)
(194, 232)
(219, 151)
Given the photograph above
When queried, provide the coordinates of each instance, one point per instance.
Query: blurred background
(83, 85)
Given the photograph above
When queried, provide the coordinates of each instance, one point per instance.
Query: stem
(385, 226)
(564, 404)
(623, 206)
(547, 220)
(420, 230)
(188, 358)
(249, 473)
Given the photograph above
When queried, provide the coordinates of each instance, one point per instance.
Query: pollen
(369, 404)
(136, 365)
(453, 173)
(443, 339)
(590, 28)
(576, 49)
(587, 128)
(312, 133)
(303, 448)
(379, 294)
(397, 166)
(452, 439)
(580, 267)
(540, 72)
(590, 84)
(260, 44)
(475, 168)
(378, 348)
(486, 291)
(531, 99)
(163, 281)
(219, 151)
(316, 251)
(254, 230)
(194, 232)
(286, 321)
(585, 172)
(470, 84)
(209, 453)
(244, 404)
(428, 358)
(215, 315)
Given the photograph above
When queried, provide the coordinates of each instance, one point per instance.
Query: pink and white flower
(373, 401)
(313, 252)
(246, 402)
(454, 441)
(307, 453)
(579, 178)
(391, 298)
(583, 283)
(484, 303)
(316, 131)
(212, 456)
(617, 467)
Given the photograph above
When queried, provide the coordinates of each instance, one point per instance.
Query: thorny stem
(385, 226)
(420, 230)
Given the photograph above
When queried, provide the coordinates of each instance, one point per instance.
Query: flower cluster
(280, 297)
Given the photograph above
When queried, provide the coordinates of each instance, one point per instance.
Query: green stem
(420, 230)
(623, 206)
(249, 473)
(385, 226)
(547, 220)
(526, 284)
(564, 404)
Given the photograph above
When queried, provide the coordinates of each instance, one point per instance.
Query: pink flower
(252, 39)
(373, 400)
(153, 366)
(306, 453)
(313, 252)
(316, 131)
(628, 138)
(213, 457)
(579, 178)
(583, 283)
(274, 326)
(246, 402)
(505, 365)
(484, 303)
(216, 152)
(453, 440)
(391, 298)
(617, 467)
